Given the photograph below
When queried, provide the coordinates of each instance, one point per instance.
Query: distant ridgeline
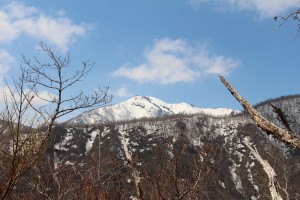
(294, 97)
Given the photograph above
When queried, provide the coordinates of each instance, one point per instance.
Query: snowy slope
(250, 164)
(142, 107)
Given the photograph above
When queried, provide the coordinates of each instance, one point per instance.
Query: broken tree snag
(286, 136)
(281, 116)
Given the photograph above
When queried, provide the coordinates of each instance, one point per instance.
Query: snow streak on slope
(90, 141)
(273, 183)
(143, 107)
(134, 172)
(235, 178)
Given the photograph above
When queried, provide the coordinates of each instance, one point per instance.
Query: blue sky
(172, 50)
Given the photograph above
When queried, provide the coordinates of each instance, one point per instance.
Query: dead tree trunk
(286, 136)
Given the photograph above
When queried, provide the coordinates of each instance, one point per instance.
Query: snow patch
(250, 178)
(105, 131)
(56, 160)
(69, 163)
(90, 141)
(235, 178)
(65, 141)
(222, 184)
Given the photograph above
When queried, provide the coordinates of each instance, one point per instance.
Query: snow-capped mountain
(143, 107)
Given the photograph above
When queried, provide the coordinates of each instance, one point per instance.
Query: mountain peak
(149, 99)
(141, 107)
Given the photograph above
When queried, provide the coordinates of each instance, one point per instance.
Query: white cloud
(42, 96)
(6, 60)
(266, 8)
(5, 57)
(8, 93)
(122, 92)
(197, 3)
(17, 19)
(171, 61)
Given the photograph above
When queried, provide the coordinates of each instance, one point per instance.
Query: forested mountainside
(196, 156)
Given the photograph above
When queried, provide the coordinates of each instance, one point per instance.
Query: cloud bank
(265, 8)
(171, 61)
(17, 19)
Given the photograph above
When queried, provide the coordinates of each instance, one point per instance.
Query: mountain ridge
(139, 107)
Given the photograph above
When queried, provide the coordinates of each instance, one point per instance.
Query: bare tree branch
(282, 117)
(286, 136)
(53, 77)
(294, 15)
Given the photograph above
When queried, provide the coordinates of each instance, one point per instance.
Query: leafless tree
(54, 78)
(26, 126)
(21, 146)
